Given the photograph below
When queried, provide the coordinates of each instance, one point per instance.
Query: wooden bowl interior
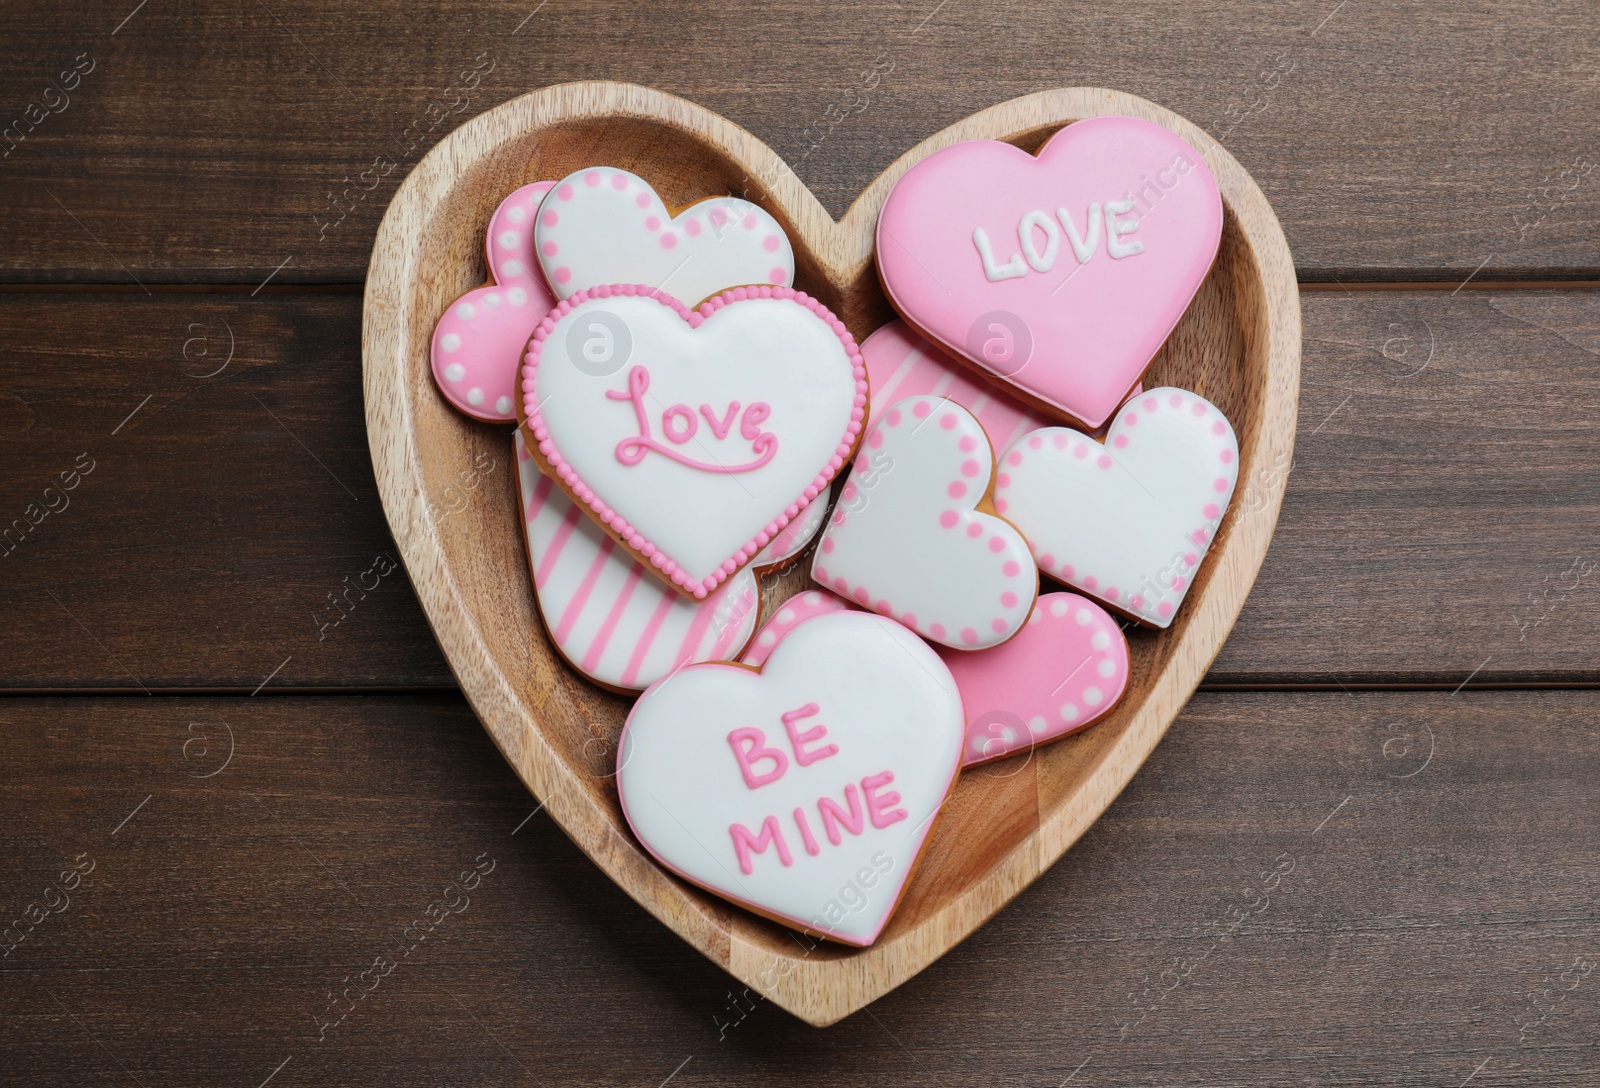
(1220, 349)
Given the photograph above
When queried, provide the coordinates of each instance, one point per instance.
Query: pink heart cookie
(601, 225)
(791, 614)
(804, 791)
(478, 341)
(694, 437)
(1127, 522)
(1067, 668)
(612, 619)
(908, 540)
(1062, 274)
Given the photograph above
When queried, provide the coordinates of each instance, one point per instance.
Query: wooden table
(217, 805)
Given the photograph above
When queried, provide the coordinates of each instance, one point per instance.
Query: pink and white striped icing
(1127, 522)
(612, 619)
(602, 225)
(1067, 668)
(478, 340)
(903, 363)
(771, 348)
(906, 538)
(791, 614)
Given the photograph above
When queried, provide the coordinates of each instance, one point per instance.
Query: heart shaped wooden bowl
(1239, 346)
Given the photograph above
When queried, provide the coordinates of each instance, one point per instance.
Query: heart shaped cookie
(1062, 273)
(805, 790)
(612, 619)
(602, 225)
(1127, 522)
(478, 340)
(1067, 668)
(695, 437)
(908, 540)
(997, 832)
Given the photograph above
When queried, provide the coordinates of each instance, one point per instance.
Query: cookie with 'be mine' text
(804, 790)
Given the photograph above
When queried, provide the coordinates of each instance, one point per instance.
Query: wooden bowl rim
(821, 989)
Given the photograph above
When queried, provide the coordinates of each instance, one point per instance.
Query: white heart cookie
(601, 225)
(804, 791)
(907, 540)
(696, 437)
(1127, 522)
(612, 619)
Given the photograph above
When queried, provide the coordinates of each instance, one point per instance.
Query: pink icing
(750, 747)
(978, 246)
(678, 423)
(478, 340)
(1067, 668)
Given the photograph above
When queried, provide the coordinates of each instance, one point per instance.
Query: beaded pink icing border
(609, 517)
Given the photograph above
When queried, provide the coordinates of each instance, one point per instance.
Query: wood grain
(230, 514)
(1414, 937)
(213, 142)
(1238, 345)
(1457, 479)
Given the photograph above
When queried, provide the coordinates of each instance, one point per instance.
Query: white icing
(1116, 248)
(771, 351)
(886, 702)
(1010, 270)
(1082, 248)
(602, 235)
(1039, 221)
(906, 540)
(1128, 522)
(631, 628)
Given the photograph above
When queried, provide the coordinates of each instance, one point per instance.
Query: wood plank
(223, 142)
(1443, 517)
(228, 498)
(1434, 858)
(1435, 488)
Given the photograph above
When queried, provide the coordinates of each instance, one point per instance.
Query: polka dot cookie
(1128, 521)
(1067, 668)
(601, 226)
(908, 540)
(478, 341)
